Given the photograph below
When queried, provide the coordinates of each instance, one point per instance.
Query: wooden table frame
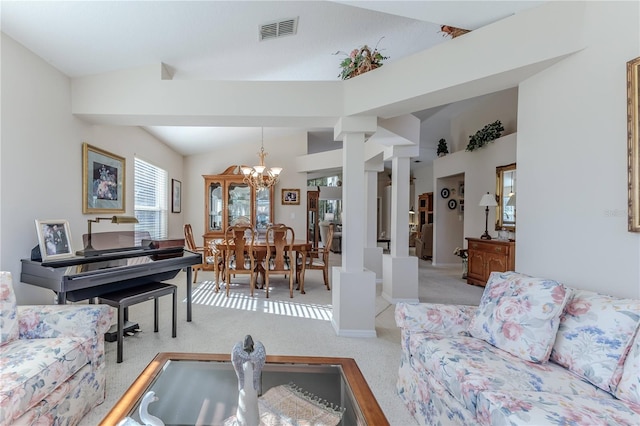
(362, 394)
(260, 250)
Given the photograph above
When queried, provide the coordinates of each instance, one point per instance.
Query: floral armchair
(52, 368)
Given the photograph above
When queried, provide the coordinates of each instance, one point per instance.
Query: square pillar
(354, 288)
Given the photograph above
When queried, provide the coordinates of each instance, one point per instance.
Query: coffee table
(198, 388)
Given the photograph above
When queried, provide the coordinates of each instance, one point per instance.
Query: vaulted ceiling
(219, 40)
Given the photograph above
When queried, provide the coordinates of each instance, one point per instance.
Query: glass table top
(202, 389)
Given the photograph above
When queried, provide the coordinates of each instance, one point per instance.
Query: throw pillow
(594, 336)
(520, 314)
(8, 312)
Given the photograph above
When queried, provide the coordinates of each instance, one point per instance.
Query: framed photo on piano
(103, 181)
(54, 239)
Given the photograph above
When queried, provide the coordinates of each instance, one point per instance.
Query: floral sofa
(533, 352)
(52, 369)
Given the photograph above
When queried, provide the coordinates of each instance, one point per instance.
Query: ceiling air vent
(278, 29)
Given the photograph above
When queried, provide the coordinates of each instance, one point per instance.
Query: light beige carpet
(298, 326)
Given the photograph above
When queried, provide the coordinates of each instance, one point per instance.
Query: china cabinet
(486, 256)
(228, 199)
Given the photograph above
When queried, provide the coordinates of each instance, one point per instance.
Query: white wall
(282, 153)
(479, 169)
(42, 160)
(449, 222)
(501, 106)
(423, 183)
(572, 194)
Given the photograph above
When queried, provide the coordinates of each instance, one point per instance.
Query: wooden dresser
(486, 256)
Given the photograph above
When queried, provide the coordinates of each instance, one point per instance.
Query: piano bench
(122, 299)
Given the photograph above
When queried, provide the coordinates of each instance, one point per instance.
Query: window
(150, 187)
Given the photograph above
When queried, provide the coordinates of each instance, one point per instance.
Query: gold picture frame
(633, 142)
(290, 196)
(103, 181)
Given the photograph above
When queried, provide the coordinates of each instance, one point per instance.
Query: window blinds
(150, 186)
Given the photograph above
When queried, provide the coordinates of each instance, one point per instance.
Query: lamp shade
(488, 200)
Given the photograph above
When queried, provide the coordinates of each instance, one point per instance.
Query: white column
(399, 270)
(372, 253)
(354, 288)
(400, 207)
(352, 201)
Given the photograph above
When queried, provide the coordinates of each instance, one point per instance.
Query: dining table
(299, 247)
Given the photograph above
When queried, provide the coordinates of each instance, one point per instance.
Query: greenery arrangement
(442, 148)
(484, 136)
(360, 61)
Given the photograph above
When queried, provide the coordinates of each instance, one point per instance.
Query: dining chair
(239, 254)
(217, 259)
(279, 259)
(208, 259)
(316, 259)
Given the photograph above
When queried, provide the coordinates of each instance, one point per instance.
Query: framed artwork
(290, 196)
(176, 196)
(54, 239)
(633, 137)
(103, 181)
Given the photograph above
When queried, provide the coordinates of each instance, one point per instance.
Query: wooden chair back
(206, 264)
(239, 254)
(317, 259)
(280, 257)
(188, 238)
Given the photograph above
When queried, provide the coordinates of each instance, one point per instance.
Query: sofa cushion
(8, 310)
(467, 366)
(31, 369)
(542, 408)
(520, 314)
(594, 335)
(628, 388)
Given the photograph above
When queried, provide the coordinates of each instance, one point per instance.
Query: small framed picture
(103, 181)
(290, 196)
(54, 239)
(176, 196)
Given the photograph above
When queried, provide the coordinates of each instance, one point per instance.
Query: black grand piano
(104, 271)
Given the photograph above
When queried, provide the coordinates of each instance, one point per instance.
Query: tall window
(150, 186)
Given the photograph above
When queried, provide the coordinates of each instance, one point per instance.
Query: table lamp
(487, 200)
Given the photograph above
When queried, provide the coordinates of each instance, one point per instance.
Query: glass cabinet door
(239, 202)
(263, 209)
(215, 207)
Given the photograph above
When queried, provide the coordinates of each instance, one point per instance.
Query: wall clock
(453, 204)
(444, 193)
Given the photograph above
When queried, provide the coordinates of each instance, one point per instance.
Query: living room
(564, 58)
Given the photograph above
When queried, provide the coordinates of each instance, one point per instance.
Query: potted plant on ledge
(360, 61)
(442, 148)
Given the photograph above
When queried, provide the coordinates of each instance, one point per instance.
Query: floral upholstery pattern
(53, 373)
(447, 376)
(628, 388)
(594, 336)
(541, 408)
(32, 369)
(520, 314)
(8, 312)
(467, 367)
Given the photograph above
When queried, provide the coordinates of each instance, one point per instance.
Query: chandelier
(261, 177)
